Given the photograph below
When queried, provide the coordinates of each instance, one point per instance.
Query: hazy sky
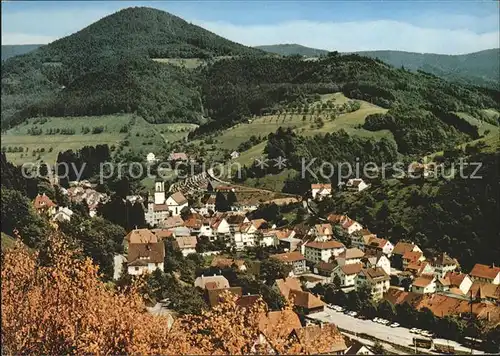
(449, 27)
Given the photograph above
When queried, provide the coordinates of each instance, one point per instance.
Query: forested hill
(420, 105)
(106, 68)
(16, 50)
(292, 49)
(478, 68)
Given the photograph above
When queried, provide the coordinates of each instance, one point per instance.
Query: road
(400, 335)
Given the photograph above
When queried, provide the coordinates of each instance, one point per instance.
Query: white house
(321, 232)
(321, 191)
(345, 222)
(151, 158)
(235, 154)
(145, 257)
(186, 244)
(425, 284)
(376, 279)
(220, 226)
(456, 283)
(485, 273)
(376, 244)
(356, 185)
(244, 236)
(358, 348)
(176, 202)
(443, 264)
(350, 256)
(379, 260)
(316, 251)
(293, 259)
(347, 274)
(62, 214)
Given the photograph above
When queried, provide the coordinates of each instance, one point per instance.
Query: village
(337, 251)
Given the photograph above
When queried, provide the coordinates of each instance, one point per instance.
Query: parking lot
(398, 335)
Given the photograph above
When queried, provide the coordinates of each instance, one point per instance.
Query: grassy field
(188, 63)
(142, 137)
(264, 125)
(490, 133)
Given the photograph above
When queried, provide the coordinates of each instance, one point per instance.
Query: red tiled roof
(402, 247)
(423, 281)
(412, 256)
(289, 256)
(321, 186)
(484, 271)
(305, 299)
(43, 202)
(332, 244)
(352, 253)
(141, 236)
(352, 268)
(321, 339)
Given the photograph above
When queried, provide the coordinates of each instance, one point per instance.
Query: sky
(447, 26)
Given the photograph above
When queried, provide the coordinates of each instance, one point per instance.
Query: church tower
(159, 192)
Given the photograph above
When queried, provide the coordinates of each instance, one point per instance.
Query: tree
(271, 270)
(17, 213)
(221, 203)
(426, 319)
(378, 349)
(387, 310)
(65, 308)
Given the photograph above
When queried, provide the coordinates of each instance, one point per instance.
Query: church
(160, 207)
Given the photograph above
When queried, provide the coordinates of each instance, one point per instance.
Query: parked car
(353, 313)
(426, 333)
(394, 325)
(419, 331)
(375, 320)
(413, 330)
(340, 309)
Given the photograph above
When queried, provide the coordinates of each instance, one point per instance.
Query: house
(377, 244)
(378, 260)
(220, 226)
(484, 273)
(176, 202)
(178, 157)
(315, 251)
(455, 283)
(145, 257)
(321, 339)
(400, 249)
(293, 259)
(345, 222)
(486, 292)
(151, 158)
(321, 191)
(418, 268)
(275, 328)
(358, 348)
(360, 237)
(425, 284)
(43, 205)
(234, 154)
(356, 185)
(376, 279)
(211, 282)
(216, 296)
(443, 264)
(290, 288)
(186, 244)
(347, 274)
(194, 222)
(308, 302)
(287, 241)
(321, 232)
(412, 257)
(349, 256)
(140, 236)
(244, 236)
(62, 214)
(324, 268)
(172, 222)
(163, 234)
(222, 262)
(209, 203)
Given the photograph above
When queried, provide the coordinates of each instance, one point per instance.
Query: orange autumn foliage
(56, 304)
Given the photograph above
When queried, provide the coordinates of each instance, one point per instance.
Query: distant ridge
(9, 51)
(478, 68)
